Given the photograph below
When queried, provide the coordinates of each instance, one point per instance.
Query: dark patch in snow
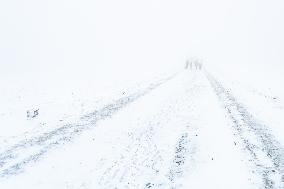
(149, 185)
(181, 155)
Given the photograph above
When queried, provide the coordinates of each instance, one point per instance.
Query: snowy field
(101, 94)
(172, 132)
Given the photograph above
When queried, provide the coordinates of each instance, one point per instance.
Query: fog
(130, 37)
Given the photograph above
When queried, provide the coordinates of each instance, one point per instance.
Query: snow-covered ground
(60, 102)
(94, 94)
(184, 130)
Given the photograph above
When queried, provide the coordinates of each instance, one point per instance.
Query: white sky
(138, 35)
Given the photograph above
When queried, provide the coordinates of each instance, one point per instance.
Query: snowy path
(16, 157)
(185, 132)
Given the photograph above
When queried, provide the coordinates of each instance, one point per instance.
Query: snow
(177, 135)
(116, 107)
(260, 92)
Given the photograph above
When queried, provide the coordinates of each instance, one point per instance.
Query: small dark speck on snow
(149, 185)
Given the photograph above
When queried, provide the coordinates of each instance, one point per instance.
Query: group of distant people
(193, 65)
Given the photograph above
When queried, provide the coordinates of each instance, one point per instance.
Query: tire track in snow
(185, 150)
(140, 155)
(14, 159)
(183, 153)
(180, 157)
(141, 164)
(265, 152)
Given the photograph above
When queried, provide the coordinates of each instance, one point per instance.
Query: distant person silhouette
(186, 64)
(196, 65)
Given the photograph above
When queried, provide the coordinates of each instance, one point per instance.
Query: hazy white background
(69, 41)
